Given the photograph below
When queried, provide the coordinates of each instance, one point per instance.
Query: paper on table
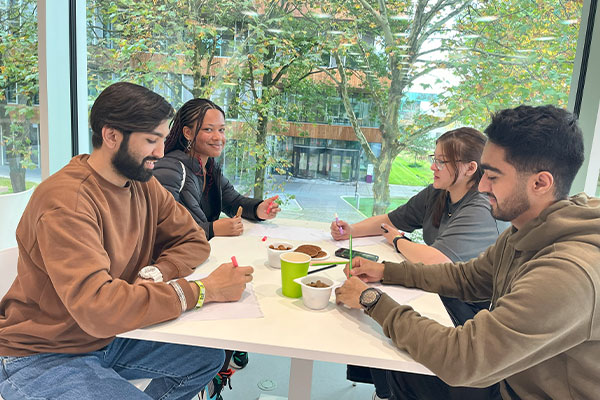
(361, 241)
(246, 307)
(308, 234)
(288, 232)
(399, 293)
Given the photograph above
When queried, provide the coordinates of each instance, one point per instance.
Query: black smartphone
(345, 253)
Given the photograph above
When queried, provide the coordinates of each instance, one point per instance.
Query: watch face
(369, 297)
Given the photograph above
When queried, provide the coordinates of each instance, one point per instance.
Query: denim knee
(216, 357)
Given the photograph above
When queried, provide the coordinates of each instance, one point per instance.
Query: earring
(189, 146)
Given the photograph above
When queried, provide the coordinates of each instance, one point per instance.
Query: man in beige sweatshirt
(541, 337)
(104, 249)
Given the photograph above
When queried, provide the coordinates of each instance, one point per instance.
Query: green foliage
(405, 173)
(269, 51)
(478, 56)
(18, 145)
(420, 65)
(18, 75)
(524, 56)
(18, 48)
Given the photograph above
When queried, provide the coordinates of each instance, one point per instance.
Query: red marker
(234, 261)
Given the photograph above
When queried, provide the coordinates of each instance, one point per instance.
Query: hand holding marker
(271, 204)
(337, 222)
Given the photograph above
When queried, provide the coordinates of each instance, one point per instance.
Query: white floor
(272, 373)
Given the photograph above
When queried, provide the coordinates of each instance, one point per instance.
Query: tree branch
(343, 90)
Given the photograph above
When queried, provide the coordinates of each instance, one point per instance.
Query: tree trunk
(261, 143)
(17, 175)
(381, 188)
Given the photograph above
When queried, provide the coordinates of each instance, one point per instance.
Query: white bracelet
(180, 294)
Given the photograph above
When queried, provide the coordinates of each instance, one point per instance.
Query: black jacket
(221, 194)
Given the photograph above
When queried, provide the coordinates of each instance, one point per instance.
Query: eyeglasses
(439, 164)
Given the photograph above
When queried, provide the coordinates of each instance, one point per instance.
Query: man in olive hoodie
(541, 337)
(103, 249)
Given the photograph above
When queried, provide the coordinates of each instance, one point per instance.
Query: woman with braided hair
(189, 171)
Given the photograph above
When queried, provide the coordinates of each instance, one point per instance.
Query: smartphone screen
(345, 253)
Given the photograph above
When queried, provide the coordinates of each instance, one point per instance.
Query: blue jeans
(177, 372)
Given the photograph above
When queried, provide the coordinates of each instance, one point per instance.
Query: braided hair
(191, 114)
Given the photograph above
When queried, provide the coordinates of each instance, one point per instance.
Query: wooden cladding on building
(317, 131)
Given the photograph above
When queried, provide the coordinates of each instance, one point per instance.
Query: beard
(513, 206)
(128, 166)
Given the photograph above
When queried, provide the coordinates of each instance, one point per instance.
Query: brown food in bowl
(280, 247)
(318, 284)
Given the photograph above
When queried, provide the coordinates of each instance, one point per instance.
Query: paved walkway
(319, 199)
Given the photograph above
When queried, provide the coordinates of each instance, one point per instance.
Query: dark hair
(536, 139)
(459, 145)
(190, 114)
(128, 108)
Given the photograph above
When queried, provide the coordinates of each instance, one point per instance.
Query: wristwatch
(398, 238)
(151, 272)
(369, 297)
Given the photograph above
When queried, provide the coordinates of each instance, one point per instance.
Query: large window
(19, 96)
(323, 79)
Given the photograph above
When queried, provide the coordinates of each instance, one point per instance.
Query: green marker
(328, 263)
(350, 256)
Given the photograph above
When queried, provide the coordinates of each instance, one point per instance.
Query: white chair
(8, 268)
(8, 272)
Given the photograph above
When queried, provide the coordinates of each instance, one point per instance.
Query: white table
(288, 328)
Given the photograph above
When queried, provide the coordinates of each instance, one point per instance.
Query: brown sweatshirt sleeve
(547, 311)
(180, 244)
(79, 269)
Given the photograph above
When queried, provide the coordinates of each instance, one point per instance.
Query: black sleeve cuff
(211, 232)
(256, 213)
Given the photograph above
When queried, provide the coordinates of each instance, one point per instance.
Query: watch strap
(398, 237)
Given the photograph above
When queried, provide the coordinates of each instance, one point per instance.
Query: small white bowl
(273, 255)
(313, 297)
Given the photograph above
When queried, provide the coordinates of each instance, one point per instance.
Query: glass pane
(19, 97)
(292, 116)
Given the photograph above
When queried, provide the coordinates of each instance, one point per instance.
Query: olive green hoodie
(541, 337)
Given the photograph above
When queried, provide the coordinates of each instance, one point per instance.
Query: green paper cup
(293, 265)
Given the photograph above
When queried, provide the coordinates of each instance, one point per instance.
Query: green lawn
(405, 172)
(366, 204)
(6, 182)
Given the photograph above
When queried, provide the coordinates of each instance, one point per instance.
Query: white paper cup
(273, 255)
(315, 298)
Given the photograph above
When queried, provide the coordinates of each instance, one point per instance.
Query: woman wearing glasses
(456, 220)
